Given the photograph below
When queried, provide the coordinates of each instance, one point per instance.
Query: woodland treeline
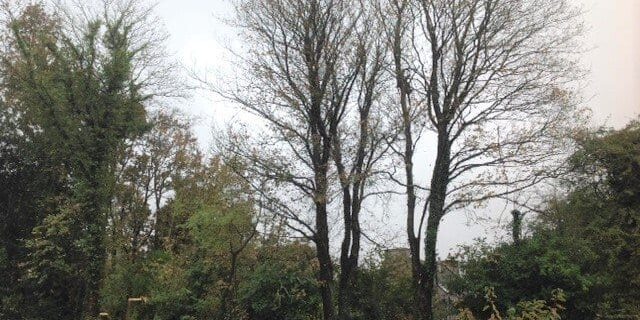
(110, 207)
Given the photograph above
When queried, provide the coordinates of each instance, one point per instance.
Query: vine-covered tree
(75, 86)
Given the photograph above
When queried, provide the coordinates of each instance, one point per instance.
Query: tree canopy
(111, 207)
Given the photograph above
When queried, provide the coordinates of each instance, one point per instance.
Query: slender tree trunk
(349, 251)
(234, 272)
(324, 259)
(345, 259)
(430, 268)
(417, 271)
(321, 239)
(417, 268)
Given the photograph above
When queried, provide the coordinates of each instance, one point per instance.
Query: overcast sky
(199, 36)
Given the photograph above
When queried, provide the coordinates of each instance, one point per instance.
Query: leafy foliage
(576, 243)
(72, 98)
(524, 310)
(282, 284)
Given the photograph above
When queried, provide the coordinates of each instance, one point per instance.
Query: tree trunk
(97, 200)
(349, 251)
(417, 269)
(324, 258)
(321, 238)
(95, 272)
(430, 267)
(345, 260)
(437, 195)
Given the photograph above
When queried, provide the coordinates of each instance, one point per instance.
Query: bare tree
(313, 75)
(359, 150)
(300, 81)
(489, 80)
(396, 18)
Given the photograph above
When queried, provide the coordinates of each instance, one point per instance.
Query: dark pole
(516, 227)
